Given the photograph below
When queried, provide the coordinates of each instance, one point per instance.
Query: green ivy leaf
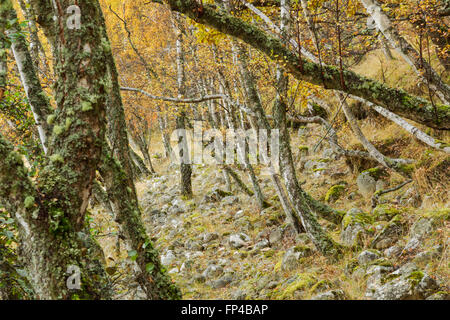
(149, 267)
(132, 254)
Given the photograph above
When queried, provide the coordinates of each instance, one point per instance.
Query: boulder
(212, 271)
(366, 184)
(330, 295)
(222, 282)
(275, 236)
(406, 283)
(389, 235)
(354, 227)
(368, 256)
(291, 258)
(168, 258)
(238, 240)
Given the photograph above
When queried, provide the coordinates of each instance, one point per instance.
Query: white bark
(409, 54)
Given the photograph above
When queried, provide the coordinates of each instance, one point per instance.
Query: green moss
(50, 119)
(383, 262)
(356, 217)
(276, 216)
(375, 173)
(415, 277)
(57, 130)
(440, 214)
(29, 202)
(86, 106)
(56, 158)
(269, 253)
(68, 123)
(385, 212)
(334, 193)
(321, 285)
(303, 148)
(406, 168)
(304, 281)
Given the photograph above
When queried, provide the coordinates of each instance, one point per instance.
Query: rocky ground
(220, 246)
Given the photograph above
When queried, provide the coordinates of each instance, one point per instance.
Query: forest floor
(405, 237)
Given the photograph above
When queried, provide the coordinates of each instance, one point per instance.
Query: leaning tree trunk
(395, 100)
(37, 50)
(37, 98)
(151, 276)
(121, 190)
(409, 54)
(317, 234)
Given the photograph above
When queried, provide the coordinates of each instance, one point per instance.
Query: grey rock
(212, 271)
(200, 278)
(393, 251)
(328, 153)
(366, 184)
(291, 258)
(421, 228)
(230, 200)
(439, 296)
(238, 295)
(168, 258)
(187, 266)
(330, 295)
(275, 236)
(302, 131)
(367, 256)
(310, 164)
(174, 209)
(222, 282)
(223, 262)
(408, 282)
(272, 285)
(173, 271)
(380, 185)
(262, 244)
(353, 226)
(239, 240)
(375, 276)
(389, 235)
(238, 214)
(208, 237)
(412, 245)
(192, 245)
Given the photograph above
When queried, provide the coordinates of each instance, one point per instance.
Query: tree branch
(395, 100)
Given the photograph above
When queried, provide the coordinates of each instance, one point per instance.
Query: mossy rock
(320, 286)
(269, 253)
(275, 218)
(334, 193)
(384, 212)
(439, 215)
(354, 216)
(303, 282)
(390, 233)
(376, 173)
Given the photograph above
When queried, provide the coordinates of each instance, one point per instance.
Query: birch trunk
(409, 54)
(37, 98)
